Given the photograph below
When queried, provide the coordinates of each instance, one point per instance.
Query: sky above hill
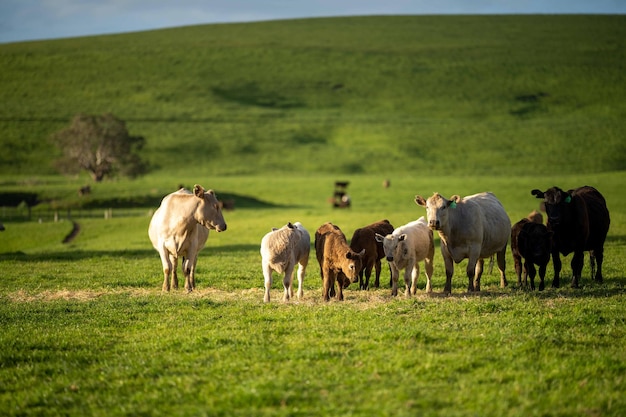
(49, 19)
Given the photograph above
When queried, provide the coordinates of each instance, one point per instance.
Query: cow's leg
(288, 282)
(339, 291)
(578, 261)
(368, 274)
(329, 282)
(394, 278)
(556, 262)
(531, 271)
(542, 275)
(599, 256)
(188, 270)
(428, 264)
(449, 264)
(415, 272)
(174, 271)
(167, 270)
(377, 267)
(301, 272)
(501, 258)
(517, 261)
(267, 277)
(474, 285)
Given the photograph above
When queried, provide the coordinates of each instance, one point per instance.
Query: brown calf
(335, 256)
(365, 239)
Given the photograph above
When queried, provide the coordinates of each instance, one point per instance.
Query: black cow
(580, 221)
(532, 241)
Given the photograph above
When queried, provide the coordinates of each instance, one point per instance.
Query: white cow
(404, 248)
(180, 227)
(281, 250)
(474, 227)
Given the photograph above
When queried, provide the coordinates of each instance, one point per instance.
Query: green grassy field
(455, 94)
(271, 115)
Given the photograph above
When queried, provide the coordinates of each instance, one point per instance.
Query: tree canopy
(101, 145)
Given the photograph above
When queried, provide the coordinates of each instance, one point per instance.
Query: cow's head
(437, 209)
(394, 245)
(209, 212)
(352, 264)
(558, 204)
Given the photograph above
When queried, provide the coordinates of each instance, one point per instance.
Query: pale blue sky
(48, 19)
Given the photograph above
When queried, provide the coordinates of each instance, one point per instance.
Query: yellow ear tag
(453, 204)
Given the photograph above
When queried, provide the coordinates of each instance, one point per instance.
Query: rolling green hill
(486, 95)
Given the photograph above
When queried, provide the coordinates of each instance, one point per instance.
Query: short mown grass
(86, 329)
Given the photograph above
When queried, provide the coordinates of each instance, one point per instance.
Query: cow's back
(495, 223)
(419, 238)
(597, 215)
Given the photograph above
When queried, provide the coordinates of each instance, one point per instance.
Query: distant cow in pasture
(532, 241)
(281, 250)
(335, 256)
(404, 248)
(364, 238)
(1, 227)
(579, 221)
(473, 227)
(177, 229)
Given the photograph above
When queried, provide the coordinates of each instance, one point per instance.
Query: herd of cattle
(474, 227)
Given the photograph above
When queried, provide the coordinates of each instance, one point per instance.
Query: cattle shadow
(133, 254)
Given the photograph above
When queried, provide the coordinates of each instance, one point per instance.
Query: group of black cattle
(578, 221)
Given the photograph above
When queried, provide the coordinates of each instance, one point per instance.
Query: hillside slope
(418, 94)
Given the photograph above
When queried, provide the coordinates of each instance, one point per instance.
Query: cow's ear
(379, 238)
(198, 191)
(453, 200)
(402, 237)
(291, 226)
(537, 193)
(419, 200)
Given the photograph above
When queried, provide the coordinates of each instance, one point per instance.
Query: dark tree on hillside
(100, 145)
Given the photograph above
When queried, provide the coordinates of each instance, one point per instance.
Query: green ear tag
(453, 204)
(568, 199)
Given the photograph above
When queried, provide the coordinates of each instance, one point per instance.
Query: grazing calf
(531, 240)
(580, 222)
(335, 256)
(404, 248)
(473, 227)
(173, 231)
(365, 239)
(281, 250)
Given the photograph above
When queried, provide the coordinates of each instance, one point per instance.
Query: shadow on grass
(145, 201)
(78, 255)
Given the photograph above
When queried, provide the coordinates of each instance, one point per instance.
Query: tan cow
(178, 228)
(281, 250)
(474, 227)
(334, 256)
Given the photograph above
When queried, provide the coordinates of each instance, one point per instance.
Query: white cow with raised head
(473, 227)
(281, 250)
(404, 248)
(180, 228)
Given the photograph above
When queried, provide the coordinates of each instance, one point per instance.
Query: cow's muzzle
(389, 258)
(434, 224)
